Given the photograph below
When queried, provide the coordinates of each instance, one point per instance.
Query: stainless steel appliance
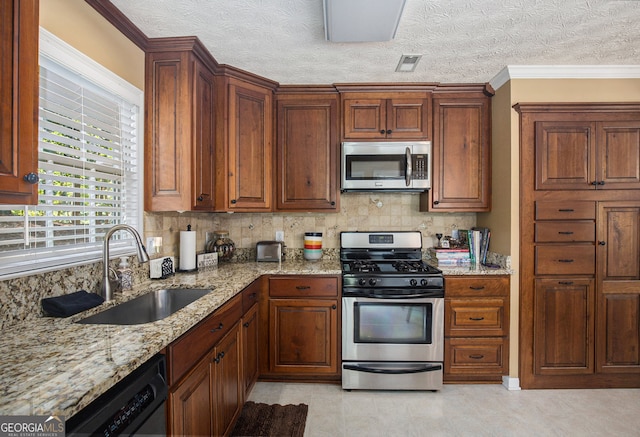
(392, 313)
(388, 166)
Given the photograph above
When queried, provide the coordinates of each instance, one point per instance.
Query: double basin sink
(150, 307)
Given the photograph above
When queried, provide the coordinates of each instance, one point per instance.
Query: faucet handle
(114, 281)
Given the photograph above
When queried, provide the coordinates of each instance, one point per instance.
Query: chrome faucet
(143, 257)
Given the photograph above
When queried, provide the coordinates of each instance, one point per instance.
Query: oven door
(393, 330)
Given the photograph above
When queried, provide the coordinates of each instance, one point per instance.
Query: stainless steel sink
(150, 307)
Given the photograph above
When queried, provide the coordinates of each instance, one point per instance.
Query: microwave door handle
(409, 170)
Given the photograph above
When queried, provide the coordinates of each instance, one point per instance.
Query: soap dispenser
(125, 275)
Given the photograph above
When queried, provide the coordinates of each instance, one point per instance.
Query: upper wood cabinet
(179, 131)
(307, 164)
(244, 146)
(386, 115)
(579, 152)
(461, 155)
(19, 96)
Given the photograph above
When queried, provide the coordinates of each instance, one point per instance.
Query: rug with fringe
(275, 420)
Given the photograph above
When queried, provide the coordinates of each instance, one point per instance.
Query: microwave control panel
(420, 167)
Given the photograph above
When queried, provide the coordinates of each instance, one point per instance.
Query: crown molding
(564, 72)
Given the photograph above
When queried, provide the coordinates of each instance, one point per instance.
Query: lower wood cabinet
(476, 328)
(302, 321)
(212, 368)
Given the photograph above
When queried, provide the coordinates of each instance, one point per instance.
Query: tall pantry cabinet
(579, 245)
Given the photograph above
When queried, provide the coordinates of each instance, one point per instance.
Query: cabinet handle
(565, 282)
(246, 324)
(602, 243)
(31, 178)
(253, 295)
(566, 210)
(476, 357)
(333, 203)
(477, 319)
(218, 328)
(234, 201)
(200, 198)
(601, 183)
(382, 131)
(436, 202)
(219, 357)
(477, 287)
(302, 287)
(333, 307)
(389, 131)
(594, 182)
(565, 233)
(565, 260)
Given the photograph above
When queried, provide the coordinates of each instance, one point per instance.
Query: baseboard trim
(511, 383)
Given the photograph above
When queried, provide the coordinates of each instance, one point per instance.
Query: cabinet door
(250, 151)
(250, 348)
(618, 324)
(203, 157)
(190, 408)
(307, 154)
(564, 326)
(304, 335)
(408, 119)
(19, 96)
(228, 390)
(364, 118)
(168, 140)
(565, 155)
(461, 156)
(618, 155)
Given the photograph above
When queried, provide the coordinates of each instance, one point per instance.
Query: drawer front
(565, 231)
(475, 356)
(559, 210)
(475, 317)
(565, 260)
(476, 286)
(250, 295)
(187, 350)
(303, 286)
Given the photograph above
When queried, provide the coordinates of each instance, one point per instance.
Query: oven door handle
(408, 175)
(416, 369)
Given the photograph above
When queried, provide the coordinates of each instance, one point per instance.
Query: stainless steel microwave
(392, 166)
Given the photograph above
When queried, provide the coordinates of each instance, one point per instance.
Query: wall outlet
(279, 235)
(154, 245)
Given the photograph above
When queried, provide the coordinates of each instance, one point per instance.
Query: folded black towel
(70, 304)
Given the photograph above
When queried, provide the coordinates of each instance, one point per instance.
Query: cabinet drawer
(565, 260)
(561, 210)
(187, 350)
(475, 356)
(565, 231)
(250, 295)
(475, 317)
(476, 286)
(303, 286)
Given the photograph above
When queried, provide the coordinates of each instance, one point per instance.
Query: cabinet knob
(200, 198)
(333, 203)
(436, 202)
(234, 201)
(601, 183)
(389, 131)
(382, 131)
(594, 182)
(333, 307)
(218, 328)
(602, 243)
(31, 178)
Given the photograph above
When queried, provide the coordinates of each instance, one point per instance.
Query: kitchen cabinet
(205, 375)
(579, 246)
(250, 329)
(386, 115)
(587, 154)
(244, 167)
(303, 327)
(307, 161)
(179, 129)
(476, 328)
(461, 155)
(19, 96)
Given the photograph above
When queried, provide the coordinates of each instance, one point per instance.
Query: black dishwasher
(134, 406)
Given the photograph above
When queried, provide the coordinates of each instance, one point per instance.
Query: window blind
(89, 177)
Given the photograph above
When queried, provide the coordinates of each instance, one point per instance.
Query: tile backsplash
(20, 297)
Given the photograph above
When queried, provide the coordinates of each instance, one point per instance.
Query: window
(89, 167)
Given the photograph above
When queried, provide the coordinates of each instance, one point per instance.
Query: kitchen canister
(222, 245)
(312, 246)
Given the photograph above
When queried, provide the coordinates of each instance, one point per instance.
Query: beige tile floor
(459, 410)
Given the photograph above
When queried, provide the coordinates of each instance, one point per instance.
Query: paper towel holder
(187, 249)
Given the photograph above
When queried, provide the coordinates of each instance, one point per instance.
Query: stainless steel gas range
(392, 313)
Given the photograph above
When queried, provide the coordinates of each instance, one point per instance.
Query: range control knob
(413, 282)
(373, 281)
(424, 282)
(362, 281)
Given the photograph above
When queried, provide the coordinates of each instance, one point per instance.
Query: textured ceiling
(459, 40)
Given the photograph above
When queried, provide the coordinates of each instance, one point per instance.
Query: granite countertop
(55, 366)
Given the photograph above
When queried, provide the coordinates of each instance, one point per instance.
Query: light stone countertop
(53, 366)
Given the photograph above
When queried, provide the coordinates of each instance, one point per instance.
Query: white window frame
(28, 262)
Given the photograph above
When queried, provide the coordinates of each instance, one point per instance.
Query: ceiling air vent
(408, 63)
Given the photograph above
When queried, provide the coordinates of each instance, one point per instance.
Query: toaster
(270, 251)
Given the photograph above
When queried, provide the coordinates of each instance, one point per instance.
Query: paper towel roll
(187, 250)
